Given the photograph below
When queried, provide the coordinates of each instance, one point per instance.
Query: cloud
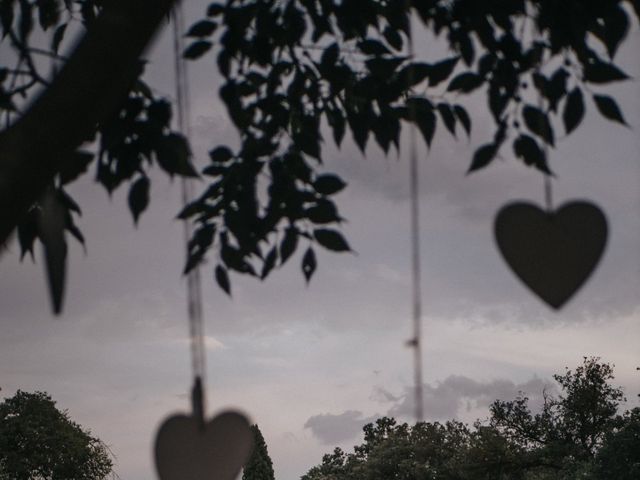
(454, 397)
(449, 398)
(332, 429)
(382, 395)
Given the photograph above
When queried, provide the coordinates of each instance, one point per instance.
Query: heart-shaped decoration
(553, 253)
(188, 450)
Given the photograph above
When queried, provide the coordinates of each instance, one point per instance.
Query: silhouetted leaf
(329, 57)
(308, 141)
(74, 230)
(359, 130)
(573, 110)
(174, 156)
(269, 262)
(465, 82)
(309, 264)
(538, 122)
(232, 257)
(414, 74)
(614, 30)
(197, 49)
(328, 184)
(28, 232)
(25, 21)
(222, 278)
(337, 124)
(68, 202)
(556, 88)
(446, 112)
(483, 157)
(608, 107)
(526, 148)
(426, 121)
(383, 68)
(203, 28)
(189, 210)
(288, 244)
(331, 240)
(220, 154)
(486, 63)
(159, 112)
(322, 213)
(139, 197)
(393, 37)
(6, 16)
(58, 35)
(463, 117)
(51, 231)
(440, 71)
(465, 47)
(214, 10)
(48, 14)
(498, 101)
(372, 47)
(600, 72)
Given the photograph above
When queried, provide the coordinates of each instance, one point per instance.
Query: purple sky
(312, 364)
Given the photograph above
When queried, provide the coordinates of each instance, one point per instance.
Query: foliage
(578, 434)
(296, 70)
(259, 466)
(38, 441)
(619, 457)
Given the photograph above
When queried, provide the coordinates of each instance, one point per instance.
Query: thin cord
(548, 193)
(416, 272)
(194, 287)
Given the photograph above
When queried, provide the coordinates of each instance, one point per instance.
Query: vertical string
(548, 194)
(416, 272)
(194, 287)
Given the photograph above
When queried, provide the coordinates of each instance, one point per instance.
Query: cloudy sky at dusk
(312, 364)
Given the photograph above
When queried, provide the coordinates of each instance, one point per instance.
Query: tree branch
(90, 85)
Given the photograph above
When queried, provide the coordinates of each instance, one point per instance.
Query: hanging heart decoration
(187, 449)
(553, 253)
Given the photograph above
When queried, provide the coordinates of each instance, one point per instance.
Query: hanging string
(416, 272)
(194, 288)
(548, 194)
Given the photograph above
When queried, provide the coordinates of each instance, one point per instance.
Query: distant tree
(259, 466)
(333, 466)
(578, 435)
(619, 457)
(391, 450)
(40, 442)
(565, 436)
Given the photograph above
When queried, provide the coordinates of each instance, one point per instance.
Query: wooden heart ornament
(553, 253)
(186, 449)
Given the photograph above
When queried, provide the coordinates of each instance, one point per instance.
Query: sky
(312, 364)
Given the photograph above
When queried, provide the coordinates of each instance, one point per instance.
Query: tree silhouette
(39, 441)
(579, 434)
(289, 68)
(259, 466)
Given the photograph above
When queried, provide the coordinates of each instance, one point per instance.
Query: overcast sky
(311, 365)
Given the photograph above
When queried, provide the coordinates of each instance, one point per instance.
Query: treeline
(582, 433)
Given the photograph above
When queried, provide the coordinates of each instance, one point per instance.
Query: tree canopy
(578, 434)
(300, 73)
(259, 466)
(38, 441)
